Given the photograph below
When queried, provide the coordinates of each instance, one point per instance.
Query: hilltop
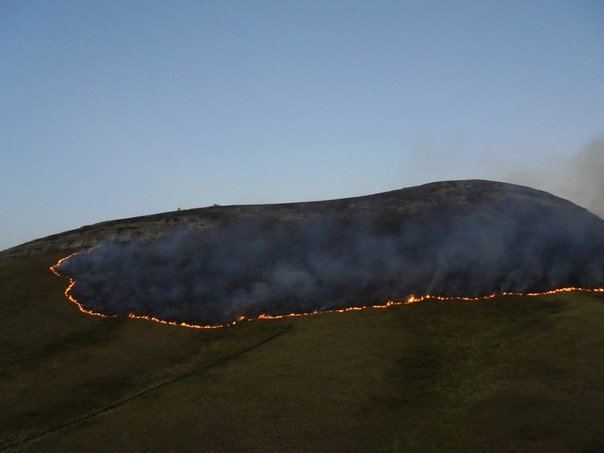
(438, 199)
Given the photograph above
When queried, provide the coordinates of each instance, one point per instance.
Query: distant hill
(214, 265)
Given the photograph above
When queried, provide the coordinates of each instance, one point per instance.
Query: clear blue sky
(112, 109)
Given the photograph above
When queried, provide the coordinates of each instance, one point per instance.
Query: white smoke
(580, 179)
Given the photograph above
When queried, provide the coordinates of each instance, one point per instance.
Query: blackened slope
(465, 238)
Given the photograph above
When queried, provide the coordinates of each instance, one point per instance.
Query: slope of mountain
(461, 238)
(507, 374)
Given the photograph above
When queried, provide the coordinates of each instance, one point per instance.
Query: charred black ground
(467, 238)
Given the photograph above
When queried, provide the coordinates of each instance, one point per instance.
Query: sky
(113, 109)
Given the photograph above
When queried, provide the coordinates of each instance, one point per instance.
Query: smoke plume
(580, 179)
(344, 257)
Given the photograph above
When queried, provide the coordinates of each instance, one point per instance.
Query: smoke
(585, 180)
(246, 266)
(580, 179)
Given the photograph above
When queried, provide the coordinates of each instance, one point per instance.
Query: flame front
(412, 299)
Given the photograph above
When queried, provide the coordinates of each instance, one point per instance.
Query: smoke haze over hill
(580, 179)
(461, 238)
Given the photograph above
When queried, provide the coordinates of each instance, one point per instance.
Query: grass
(520, 374)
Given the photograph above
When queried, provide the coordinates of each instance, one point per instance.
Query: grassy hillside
(515, 373)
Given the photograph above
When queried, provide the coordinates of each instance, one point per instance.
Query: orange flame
(391, 303)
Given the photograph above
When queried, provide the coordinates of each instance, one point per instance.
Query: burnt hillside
(213, 265)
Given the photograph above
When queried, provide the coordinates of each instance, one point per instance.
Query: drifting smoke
(277, 266)
(581, 179)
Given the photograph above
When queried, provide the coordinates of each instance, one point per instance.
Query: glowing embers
(409, 300)
(71, 298)
(72, 282)
(268, 267)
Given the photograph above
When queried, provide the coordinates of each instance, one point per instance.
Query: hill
(439, 199)
(461, 238)
(510, 373)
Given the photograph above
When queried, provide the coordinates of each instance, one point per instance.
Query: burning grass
(463, 239)
(408, 300)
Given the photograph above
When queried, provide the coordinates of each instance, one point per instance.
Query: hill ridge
(151, 226)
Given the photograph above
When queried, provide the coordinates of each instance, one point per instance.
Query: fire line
(412, 299)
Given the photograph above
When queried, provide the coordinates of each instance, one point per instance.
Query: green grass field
(519, 374)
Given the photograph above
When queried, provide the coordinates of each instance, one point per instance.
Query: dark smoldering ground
(465, 238)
